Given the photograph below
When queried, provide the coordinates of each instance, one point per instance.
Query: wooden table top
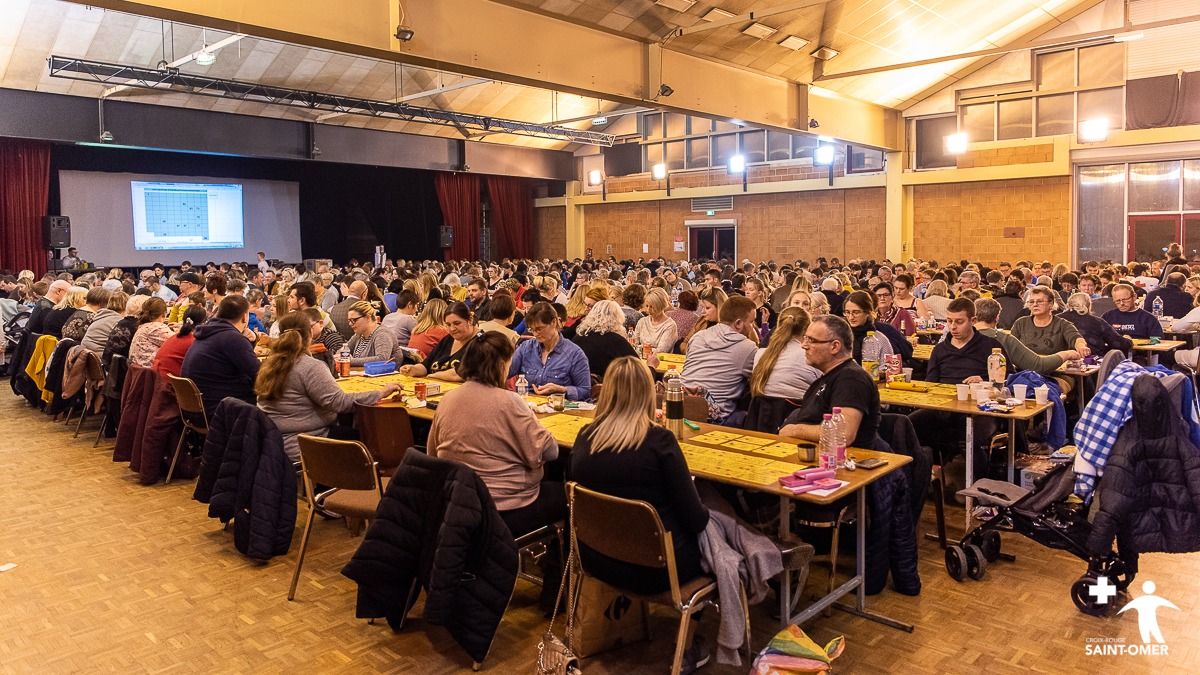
(944, 397)
(922, 352)
(665, 361)
(747, 459)
(1143, 345)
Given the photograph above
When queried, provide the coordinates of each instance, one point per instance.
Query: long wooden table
(944, 398)
(1153, 350)
(746, 459)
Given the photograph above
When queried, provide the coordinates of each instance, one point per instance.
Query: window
(674, 155)
(1102, 65)
(1055, 115)
(1056, 70)
(803, 146)
(863, 160)
(979, 122)
(1191, 185)
(754, 146)
(1101, 233)
(653, 155)
(1153, 186)
(697, 153)
(1106, 103)
(779, 146)
(720, 126)
(1016, 119)
(930, 141)
(652, 126)
(723, 147)
(676, 125)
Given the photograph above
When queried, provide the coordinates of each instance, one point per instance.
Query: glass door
(713, 243)
(1149, 235)
(1191, 235)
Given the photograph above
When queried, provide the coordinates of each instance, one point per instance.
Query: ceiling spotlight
(737, 164)
(599, 120)
(1094, 130)
(956, 144)
(404, 33)
(1129, 37)
(595, 177)
(825, 53)
(664, 90)
(658, 171)
(813, 124)
(823, 155)
(205, 57)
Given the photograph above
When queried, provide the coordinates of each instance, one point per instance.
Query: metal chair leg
(685, 618)
(78, 425)
(303, 549)
(100, 431)
(175, 457)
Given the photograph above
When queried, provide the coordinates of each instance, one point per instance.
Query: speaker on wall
(447, 236)
(56, 230)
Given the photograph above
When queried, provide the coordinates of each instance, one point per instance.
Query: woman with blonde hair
(623, 453)
(56, 318)
(458, 292)
(781, 369)
(368, 343)
(577, 309)
(430, 327)
(937, 298)
(711, 301)
(298, 392)
(428, 282)
(656, 328)
(601, 336)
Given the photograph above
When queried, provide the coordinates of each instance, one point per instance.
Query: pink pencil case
(814, 472)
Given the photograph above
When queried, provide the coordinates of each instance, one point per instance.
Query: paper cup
(1021, 391)
(964, 391)
(982, 393)
(908, 374)
(1042, 394)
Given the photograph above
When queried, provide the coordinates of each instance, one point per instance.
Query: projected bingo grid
(177, 213)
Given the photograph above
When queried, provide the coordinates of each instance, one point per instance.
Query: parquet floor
(113, 576)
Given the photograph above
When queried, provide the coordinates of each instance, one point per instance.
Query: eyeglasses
(353, 319)
(853, 312)
(806, 340)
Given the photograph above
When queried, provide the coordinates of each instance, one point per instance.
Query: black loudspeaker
(447, 236)
(56, 230)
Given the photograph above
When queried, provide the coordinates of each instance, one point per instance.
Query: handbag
(554, 656)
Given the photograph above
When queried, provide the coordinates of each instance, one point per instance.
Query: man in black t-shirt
(828, 346)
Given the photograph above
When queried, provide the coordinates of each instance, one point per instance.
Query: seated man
(1127, 319)
(829, 347)
(221, 361)
(1020, 357)
(721, 357)
(502, 309)
(961, 359)
(1176, 301)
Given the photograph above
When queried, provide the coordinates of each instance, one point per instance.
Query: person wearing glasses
(887, 312)
(828, 346)
(1128, 319)
(1045, 333)
(550, 363)
(442, 362)
(859, 311)
(367, 343)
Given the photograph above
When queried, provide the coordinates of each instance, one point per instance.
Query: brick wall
(1025, 154)
(968, 220)
(843, 223)
(550, 232)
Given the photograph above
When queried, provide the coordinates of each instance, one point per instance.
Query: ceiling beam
(463, 84)
(183, 61)
(744, 18)
(490, 40)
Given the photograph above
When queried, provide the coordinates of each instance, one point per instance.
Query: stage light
(595, 177)
(823, 155)
(658, 171)
(956, 144)
(1094, 130)
(737, 164)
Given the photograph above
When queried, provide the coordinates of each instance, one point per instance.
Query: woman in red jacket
(169, 358)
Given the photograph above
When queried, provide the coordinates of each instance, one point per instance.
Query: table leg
(1012, 447)
(860, 563)
(1153, 358)
(970, 469)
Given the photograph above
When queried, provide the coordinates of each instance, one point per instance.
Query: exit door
(713, 243)
(1150, 235)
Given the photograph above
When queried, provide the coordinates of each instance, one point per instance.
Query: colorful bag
(792, 651)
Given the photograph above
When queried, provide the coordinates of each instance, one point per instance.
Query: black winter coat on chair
(438, 529)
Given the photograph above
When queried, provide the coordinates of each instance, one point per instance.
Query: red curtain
(512, 216)
(458, 195)
(24, 199)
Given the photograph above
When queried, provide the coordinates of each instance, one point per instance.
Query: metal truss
(173, 80)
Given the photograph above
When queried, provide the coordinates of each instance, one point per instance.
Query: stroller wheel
(990, 543)
(956, 562)
(1084, 600)
(1120, 575)
(976, 562)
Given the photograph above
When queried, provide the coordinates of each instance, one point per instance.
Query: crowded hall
(623, 337)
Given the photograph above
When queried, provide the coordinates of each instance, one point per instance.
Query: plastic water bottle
(826, 447)
(997, 367)
(1158, 307)
(839, 438)
(871, 353)
(522, 386)
(342, 362)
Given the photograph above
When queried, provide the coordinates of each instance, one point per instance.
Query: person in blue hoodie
(221, 361)
(1127, 319)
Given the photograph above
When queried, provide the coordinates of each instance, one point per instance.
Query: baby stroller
(1146, 500)
(1045, 515)
(12, 331)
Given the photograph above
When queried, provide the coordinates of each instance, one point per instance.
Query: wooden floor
(115, 576)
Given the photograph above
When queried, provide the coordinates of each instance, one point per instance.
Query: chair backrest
(389, 300)
(191, 406)
(114, 381)
(1107, 364)
(695, 408)
(767, 413)
(331, 463)
(622, 529)
(386, 431)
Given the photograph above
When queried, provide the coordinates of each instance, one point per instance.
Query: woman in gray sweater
(369, 343)
(299, 392)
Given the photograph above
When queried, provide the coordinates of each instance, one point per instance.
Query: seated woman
(859, 311)
(430, 327)
(710, 308)
(443, 360)
(601, 336)
(121, 334)
(781, 369)
(64, 310)
(1099, 334)
(656, 328)
(937, 298)
(325, 342)
(507, 447)
(298, 392)
(151, 333)
(625, 454)
(169, 358)
(96, 335)
(368, 343)
(551, 364)
(887, 312)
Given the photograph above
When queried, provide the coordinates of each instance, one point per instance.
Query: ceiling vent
(677, 5)
(760, 31)
(705, 204)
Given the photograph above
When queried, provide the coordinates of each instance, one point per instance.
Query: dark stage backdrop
(345, 209)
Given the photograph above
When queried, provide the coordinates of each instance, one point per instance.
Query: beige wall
(783, 226)
(550, 232)
(952, 221)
